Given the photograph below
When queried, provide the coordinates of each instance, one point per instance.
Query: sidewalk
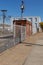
(33, 38)
(18, 54)
(36, 56)
(15, 55)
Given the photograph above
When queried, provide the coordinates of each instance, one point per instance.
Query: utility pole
(22, 8)
(4, 16)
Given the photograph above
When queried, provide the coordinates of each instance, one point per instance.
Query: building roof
(22, 22)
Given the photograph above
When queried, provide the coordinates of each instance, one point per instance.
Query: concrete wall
(35, 24)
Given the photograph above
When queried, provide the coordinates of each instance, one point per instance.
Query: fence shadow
(32, 44)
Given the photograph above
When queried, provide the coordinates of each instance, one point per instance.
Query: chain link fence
(6, 42)
(19, 33)
(9, 40)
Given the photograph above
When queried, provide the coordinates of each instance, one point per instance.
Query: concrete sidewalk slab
(15, 55)
(18, 55)
(36, 56)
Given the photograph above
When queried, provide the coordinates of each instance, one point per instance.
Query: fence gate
(19, 33)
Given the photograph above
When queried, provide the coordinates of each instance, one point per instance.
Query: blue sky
(32, 7)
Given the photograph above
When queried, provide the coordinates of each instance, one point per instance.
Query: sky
(31, 7)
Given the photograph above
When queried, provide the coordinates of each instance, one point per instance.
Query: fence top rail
(20, 25)
(6, 36)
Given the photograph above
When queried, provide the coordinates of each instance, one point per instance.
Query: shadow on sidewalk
(31, 44)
